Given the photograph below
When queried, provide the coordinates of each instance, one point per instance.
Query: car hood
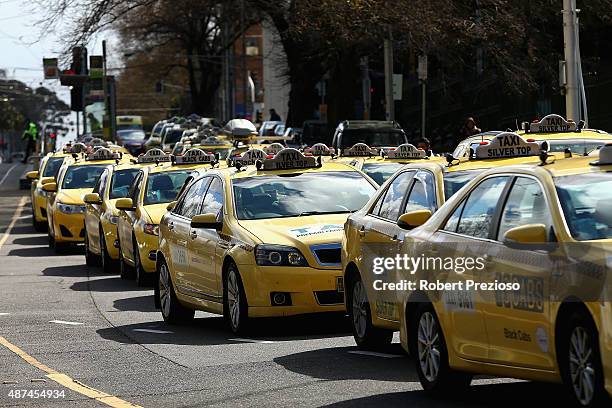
(72, 196)
(155, 212)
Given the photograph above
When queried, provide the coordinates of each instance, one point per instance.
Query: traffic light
(79, 60)
(76, 98)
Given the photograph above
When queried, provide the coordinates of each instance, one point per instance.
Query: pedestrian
(274, 117)
(469, 128)
(30, 135)
(425, 144)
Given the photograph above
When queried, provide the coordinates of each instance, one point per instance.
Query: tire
(51, 240)
(580, 361)
(172, 310)
(126, 271)
(91, 259)
(108, 266)
(235, 307)
(428, 346)
(365, 334)
(142, 278)
(38, 226)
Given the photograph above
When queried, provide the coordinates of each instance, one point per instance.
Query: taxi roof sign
(320, 149)
(154, 156)
(273, 148)
(250, 157)
(195, 156)
(289, 158)
(406, 151)
(360, 150)
(553, 123)
(76, 148)
(103, 154)
(507, 144)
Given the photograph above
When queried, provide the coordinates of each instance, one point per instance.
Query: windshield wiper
(304, 213)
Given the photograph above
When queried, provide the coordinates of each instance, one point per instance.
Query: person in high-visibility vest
(30, 135)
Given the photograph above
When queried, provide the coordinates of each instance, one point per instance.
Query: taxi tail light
(483, 143)
(531, 140)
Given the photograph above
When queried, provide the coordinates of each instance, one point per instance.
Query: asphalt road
(96, 340)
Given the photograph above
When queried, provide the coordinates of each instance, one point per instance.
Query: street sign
(96, 66)
(398, 80)
(50, 68)
(422, 69)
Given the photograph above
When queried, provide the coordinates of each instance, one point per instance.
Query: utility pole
(389, 102)
(365, 87)
(244, 74)
(572, 95)
(422, 74)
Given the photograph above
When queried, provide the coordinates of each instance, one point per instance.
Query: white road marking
(65, 322)
(7, 233)
(376, 354)
(153, 331)
(4, 314)
(7, 173)
(251, 340)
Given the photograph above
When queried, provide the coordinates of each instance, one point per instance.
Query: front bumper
(147, 245)
(39, 206)
(110, 236)
(68, 227)
(310, 290)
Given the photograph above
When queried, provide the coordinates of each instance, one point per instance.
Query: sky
(21, 49)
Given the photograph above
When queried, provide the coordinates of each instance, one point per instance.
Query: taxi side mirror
(413, 219)
(171, 206)
(46, 180)
(32, 175)
(206, 221)
(50, 187)
(92, 198)
(529, 237)
(125, 204)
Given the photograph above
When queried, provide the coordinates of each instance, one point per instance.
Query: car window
(392, 203)
(453, 220)
(480, 207)
(193, 197)
(121, 182)
(52, 166)
(213, 201)
(100, 184)
(164, 187)
(380, 172)
(422, 194)
(453, 181)
(136, 187)
(82, 176)
(525, 205)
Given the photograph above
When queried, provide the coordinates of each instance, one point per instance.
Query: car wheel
(90, 258)
(51, 239)
(105, 259)
(428, 346)
(38, 226)
(172, 310)
(366, 335)
(126, 271)
(580, 364)
(142, 278)
(235, 307)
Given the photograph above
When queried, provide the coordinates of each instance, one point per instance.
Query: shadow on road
(112, 283)
(507, 395)
(136, 304)
(338, 364)
(40, 240)
(73, 271)
(212, 330)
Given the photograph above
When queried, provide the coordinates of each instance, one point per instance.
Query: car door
(518, 322)
(205, 256)
(179, 230)
(464, 235)
(94, 212)
(127, 218)
(381, 238)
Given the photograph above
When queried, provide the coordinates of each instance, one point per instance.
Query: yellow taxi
(101, 215)
(380, 164)
(258, 240)
(526, 291)
(49, 167)
(65, 205)
(153, 188)
(560, 134)
(419, 186)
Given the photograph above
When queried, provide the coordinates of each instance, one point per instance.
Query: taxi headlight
(279, 255)
(151, 229)
(71, 208)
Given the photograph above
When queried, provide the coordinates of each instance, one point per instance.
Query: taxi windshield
(373, 137)
(173, 136)
(575, 145)
(164, 187)
(82, 176)
(455, 180)
(380, 172)
(121, 182)
(586, 200)
(294, 195)
(52, 167)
